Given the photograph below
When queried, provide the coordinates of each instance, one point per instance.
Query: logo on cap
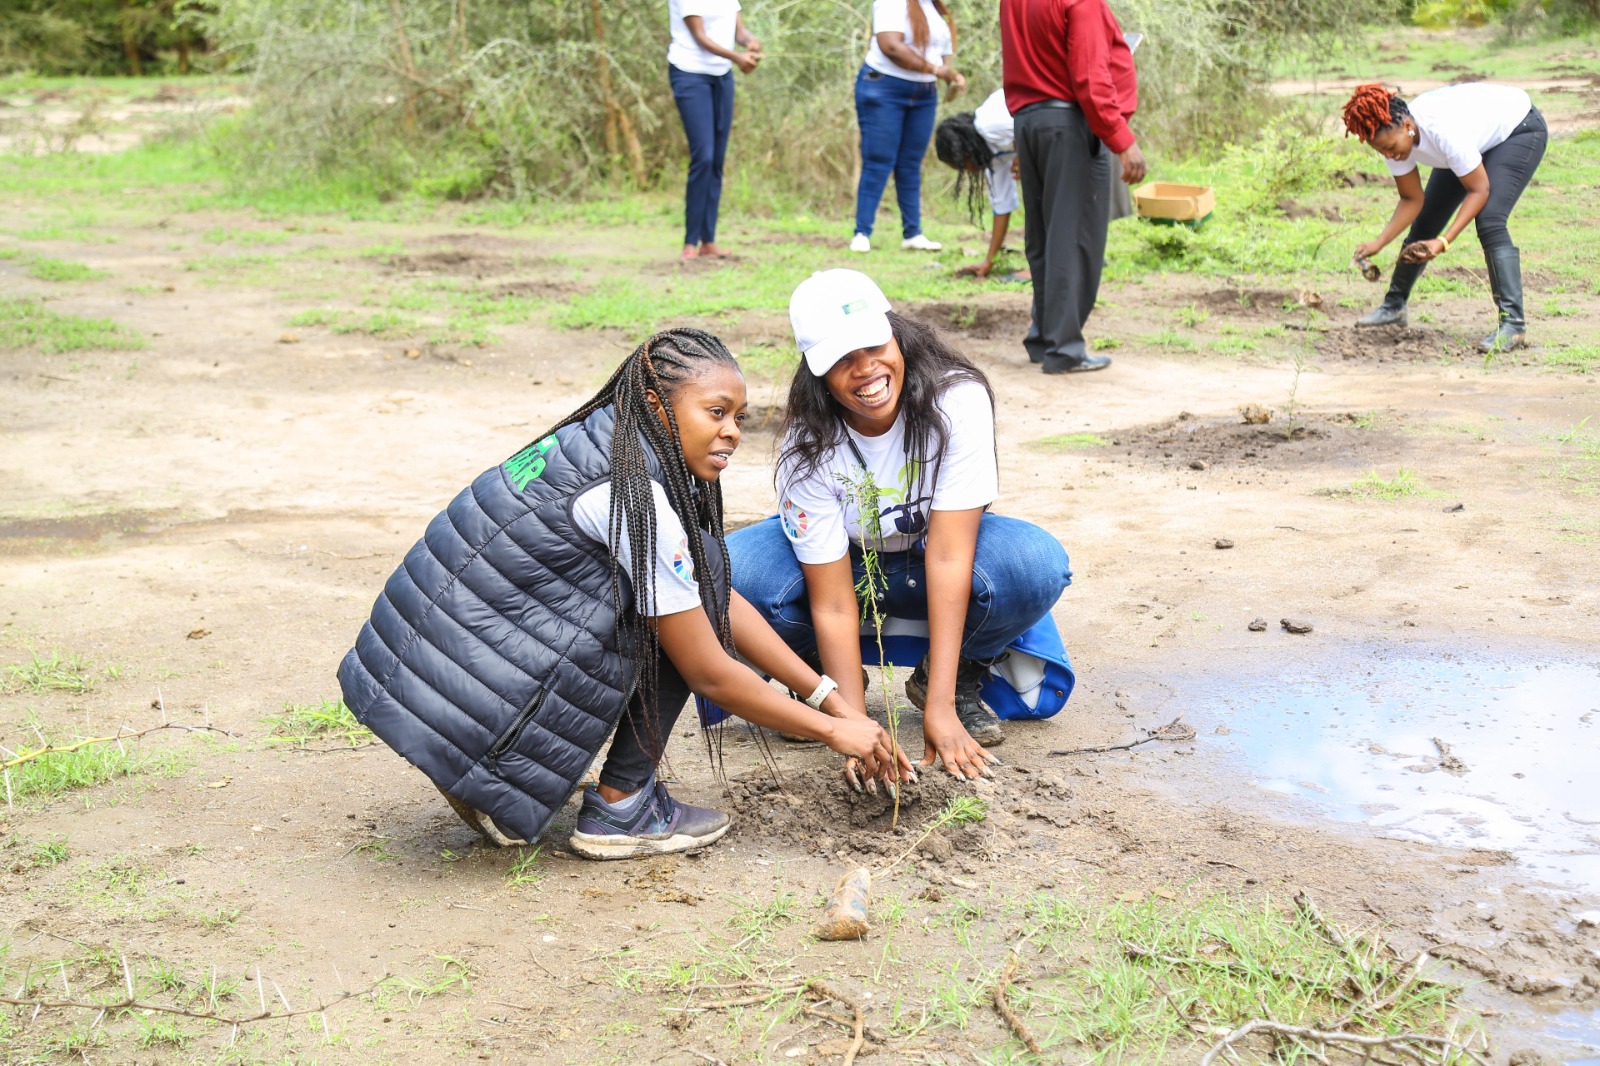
(853, 306)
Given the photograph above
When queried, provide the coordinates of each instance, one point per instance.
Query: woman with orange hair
(1484, 143)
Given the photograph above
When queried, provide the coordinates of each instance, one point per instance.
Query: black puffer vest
(490, 660)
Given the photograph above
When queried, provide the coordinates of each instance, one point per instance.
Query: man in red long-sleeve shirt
(1070, 84)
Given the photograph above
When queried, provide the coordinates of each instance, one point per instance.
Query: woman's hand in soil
(861, 779)
(1422, 251)
(954, 746)
(864, 739)
(975, 270)
(1367, 250)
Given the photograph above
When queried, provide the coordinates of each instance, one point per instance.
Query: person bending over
(1483, 143)
(581, 582)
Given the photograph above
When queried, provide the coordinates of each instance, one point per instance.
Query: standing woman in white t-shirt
(897, 94)
(883, 398)
(1483, 142)
(700, 64)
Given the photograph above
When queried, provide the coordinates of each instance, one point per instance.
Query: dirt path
(213, 515)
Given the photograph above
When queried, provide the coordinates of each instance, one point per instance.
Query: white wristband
(825, 688)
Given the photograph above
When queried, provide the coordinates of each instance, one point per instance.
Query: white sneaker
(861, 243)
(919, 243)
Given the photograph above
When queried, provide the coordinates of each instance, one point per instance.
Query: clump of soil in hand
(815, 808)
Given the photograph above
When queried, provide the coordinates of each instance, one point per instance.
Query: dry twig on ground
(1029, 1041)
(1175, 730)
(122, 733)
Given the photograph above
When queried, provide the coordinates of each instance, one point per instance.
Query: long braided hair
(1372, 109)
(662, 365)
(958, 144)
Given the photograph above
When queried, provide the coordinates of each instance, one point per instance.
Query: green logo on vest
(528, 463)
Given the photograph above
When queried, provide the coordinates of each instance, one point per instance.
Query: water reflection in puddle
(1357, 739)
(1580, 1028)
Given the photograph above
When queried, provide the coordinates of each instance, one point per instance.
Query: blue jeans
(896, 120)
(1018, 573)
(705, 103)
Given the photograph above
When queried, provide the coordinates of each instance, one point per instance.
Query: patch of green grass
(26, 324)
(1232, 345)
(54, 773)
(46, 268)
(1152, 968)
(1192, 315)
(523, 871)
(1072, 440)
(48, 853)
(1375, 486)
(376, 848)
(1169, 338)
(1575, 358)
(221, 918)
(302, 723)
(1105, 344)
(760, 919)
(52, 672)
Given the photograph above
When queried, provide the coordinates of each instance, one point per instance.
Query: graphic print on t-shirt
(898, 511)
(682, 564)
(794, 520)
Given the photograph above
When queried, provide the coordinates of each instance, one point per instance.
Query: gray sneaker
(659, 825)
(975, 716)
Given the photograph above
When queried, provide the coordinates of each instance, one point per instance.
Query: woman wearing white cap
(882, 395)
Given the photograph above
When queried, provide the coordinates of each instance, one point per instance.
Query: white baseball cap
(835, 312)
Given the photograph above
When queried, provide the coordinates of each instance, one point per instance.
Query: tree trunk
(619, 126)
(408, 113)
(183, 53)
(130, 39)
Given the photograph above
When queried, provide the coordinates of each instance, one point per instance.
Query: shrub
(561, 99)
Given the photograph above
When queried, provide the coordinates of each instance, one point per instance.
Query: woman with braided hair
(579, 584)
(1483, 142)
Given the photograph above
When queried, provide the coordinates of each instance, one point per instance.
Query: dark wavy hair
(958, 144)
(812, 425)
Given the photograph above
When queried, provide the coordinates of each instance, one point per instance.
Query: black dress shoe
(1088, 362)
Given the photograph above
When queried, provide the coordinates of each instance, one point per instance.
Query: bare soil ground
(213, 515)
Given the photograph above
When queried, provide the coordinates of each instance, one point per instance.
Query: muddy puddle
(1494, 752)
(1579, 1030)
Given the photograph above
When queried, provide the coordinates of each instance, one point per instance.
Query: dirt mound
(990, 320)
(1200, 443)
(1251, 303)
(454, 261)
(816, 810)
(1390, 344)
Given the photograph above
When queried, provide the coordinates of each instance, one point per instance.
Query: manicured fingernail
(894, 793)
(872, 786)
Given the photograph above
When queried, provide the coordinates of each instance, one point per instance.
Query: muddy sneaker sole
(988, 734)
(622, 846)
(481, 822)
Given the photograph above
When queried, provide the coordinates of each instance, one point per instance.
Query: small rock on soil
(1293, 626)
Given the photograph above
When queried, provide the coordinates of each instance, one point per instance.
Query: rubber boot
(1505, 280)
(1392, 312)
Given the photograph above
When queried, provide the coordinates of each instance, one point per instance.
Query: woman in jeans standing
(700, 66)
(896, 96)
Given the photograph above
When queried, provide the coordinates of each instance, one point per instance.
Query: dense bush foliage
(471, 97)
(100, 36)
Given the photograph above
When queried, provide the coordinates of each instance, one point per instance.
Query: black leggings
(642, 733)
(1509, 164)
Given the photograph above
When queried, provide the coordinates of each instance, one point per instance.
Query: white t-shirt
(996, 127)
(1458, 123)
(893, 16)
(721, 22)
(821, 516)
(675, 585)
